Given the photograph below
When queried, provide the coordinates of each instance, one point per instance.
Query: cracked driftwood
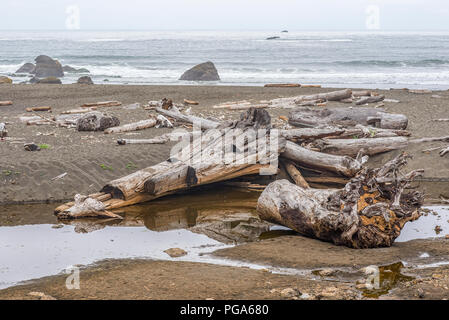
(370, 211)
(376, 117)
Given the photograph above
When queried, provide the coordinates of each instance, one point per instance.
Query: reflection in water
(389, 277)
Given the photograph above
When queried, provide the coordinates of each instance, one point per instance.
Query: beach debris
(175, 252)
(61, 176)
(3, 131)
(392, 100)
(85, 80)
(96, 121)
(273, 38)
(328, 96)
(163, 122)
(310, 85)
(368, 212)
(202, 72)
(438, 229)
(370, 99)
(177, 115)
(282, 85)
(306, 117)
(295, 174)
(77, 111)
(5, 103)
(133, 106)
(102, 104)
(31, 147)
(166, 103)
(84, 207)
(444, 151)
(45, 108)
(191, 102)
(135, 126)
(440, 120)
(420, 91)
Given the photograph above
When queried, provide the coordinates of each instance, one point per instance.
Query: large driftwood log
(328, 96)
(306, 117)
(342, 165)
(352, 147)
(370, 99)
(369, 212)
(140, 125)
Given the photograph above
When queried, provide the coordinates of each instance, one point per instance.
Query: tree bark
(144, 124)
(352, 147)
(306, 117)
(342, 165)
(368, 213)
(328, 96)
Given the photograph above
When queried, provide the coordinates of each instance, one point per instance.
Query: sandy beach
(91, 159)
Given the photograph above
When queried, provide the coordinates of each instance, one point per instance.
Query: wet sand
(91, 159)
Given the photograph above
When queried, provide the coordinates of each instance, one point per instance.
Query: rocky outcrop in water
(203, 72)
(47, 67)
(85, 80)
(48, 80)
(26, 68)
(70, 69)
(96, 121)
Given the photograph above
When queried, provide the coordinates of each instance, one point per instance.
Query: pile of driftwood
(323, 188)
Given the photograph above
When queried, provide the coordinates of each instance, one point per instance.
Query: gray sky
(225, 14)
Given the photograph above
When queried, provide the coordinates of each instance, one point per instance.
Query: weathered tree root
(369, 212)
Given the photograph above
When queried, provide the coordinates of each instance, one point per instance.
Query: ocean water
(332, 59)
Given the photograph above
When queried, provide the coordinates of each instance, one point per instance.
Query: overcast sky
(225, 14)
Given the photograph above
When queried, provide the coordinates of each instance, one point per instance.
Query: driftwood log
(140, 125)
(343, 165)
(369, 212)
(177, 115)
(185, 170)
(376, 117)
(328, 96)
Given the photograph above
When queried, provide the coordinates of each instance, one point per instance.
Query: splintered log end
(85, 207)
(191, 178)
(369, 212)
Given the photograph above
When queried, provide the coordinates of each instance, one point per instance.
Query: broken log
(176, 114)
(328, 96)
(370, 99)
(444, 151)
(191, 102)
(38, 109)
(102, 104)
(140, 125)
(352, 147)
(369, 212)
(5, 103)
(306, 117)
(295, 174)
(340, 164)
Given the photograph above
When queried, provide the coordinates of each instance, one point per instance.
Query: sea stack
(26, 68)
(202, 72)
(47, 67)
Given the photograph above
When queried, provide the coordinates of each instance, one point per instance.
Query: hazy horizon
(193, 15)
